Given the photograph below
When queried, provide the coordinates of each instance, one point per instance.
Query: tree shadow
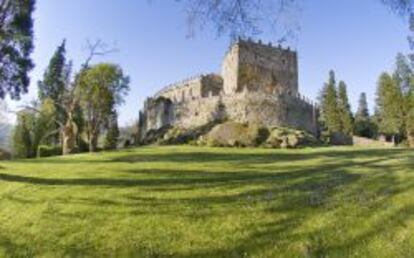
(365, 179)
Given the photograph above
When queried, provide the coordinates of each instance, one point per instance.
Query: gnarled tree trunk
(69, 134)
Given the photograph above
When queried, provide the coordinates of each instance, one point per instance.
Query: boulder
(289, 138)
(232, 134)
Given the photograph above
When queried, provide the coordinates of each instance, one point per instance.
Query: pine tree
(363, 125)
(330, 117)
(344, 109)
(390, 106)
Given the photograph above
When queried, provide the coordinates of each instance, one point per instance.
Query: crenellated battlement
(258, 83)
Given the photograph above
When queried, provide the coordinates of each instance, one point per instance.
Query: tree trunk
(410, 139)
(93, 142)
(69, 138)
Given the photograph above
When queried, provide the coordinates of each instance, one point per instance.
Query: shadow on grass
(239, 159)
(357, 177)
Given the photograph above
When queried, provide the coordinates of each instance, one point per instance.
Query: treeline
(393, 118)
(73, 110)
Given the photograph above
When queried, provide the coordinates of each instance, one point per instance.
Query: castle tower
(258, 67)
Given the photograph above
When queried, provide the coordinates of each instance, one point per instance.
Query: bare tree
(244, 18)
(70, 128)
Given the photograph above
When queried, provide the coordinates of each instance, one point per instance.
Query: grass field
(207, 202)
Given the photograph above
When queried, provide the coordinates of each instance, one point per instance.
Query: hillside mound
(233, 134)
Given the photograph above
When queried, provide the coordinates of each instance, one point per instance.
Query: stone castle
(258, 84)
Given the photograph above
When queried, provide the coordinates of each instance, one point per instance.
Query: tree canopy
(16, 45)
(101, 88)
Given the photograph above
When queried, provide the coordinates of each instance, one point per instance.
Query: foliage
(49, 151)
(389, 105)
(363, 125)
(210, 202)
(56, 78)
(330, 115)
(22, 135)
(33, 128)
(16, 45)
(101, 88)
(112, 134)
(344, 108)
(53, 84)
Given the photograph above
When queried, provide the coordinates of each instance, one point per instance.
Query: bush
(5, 155)
(127, 143)
(49, 151)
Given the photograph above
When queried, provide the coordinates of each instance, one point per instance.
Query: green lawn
(208, 202)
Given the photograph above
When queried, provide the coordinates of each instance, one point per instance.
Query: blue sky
(358, 39)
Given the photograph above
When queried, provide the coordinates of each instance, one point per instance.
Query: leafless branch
(97, 48)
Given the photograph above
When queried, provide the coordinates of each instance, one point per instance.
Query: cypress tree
(53, 85)
(330, 117)
(363, 125)
(344, 109)
(390, 106)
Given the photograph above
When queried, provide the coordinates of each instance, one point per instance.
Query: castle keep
(258, 84)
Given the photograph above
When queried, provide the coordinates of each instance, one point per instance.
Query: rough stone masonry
(258, 84)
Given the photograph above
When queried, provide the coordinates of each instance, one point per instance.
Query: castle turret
(260, 67)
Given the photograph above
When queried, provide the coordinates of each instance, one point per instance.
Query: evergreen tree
(53, 85)
(409, 117)
(112, 135)
(330, 117)
(403, 73)
(404, 76)
(363, 125)
(16, 45)
(390, 106)
(344, 109)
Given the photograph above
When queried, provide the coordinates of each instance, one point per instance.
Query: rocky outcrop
(233, 134)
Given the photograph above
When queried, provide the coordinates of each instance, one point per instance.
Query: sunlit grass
(208, 202)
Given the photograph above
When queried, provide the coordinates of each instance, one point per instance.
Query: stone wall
(246, 107)
(260, 67)
(259, 84)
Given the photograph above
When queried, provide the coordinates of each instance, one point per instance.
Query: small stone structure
(258, 84)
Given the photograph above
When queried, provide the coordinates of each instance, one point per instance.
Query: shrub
(49, 151)
(5, 155)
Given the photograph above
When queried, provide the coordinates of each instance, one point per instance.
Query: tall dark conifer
(390, 106)
(363, 125)
(344, 109)
(329, 106)
(54, 82)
